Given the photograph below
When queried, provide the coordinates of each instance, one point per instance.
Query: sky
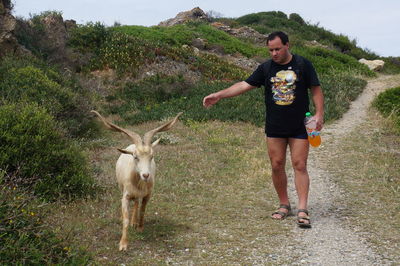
(373, 24)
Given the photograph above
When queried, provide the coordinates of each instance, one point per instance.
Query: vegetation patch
(39, 157)
(23, 234)
(211, 203)
(367, 169)
(388, 103)
(31, 80)
(340, 89)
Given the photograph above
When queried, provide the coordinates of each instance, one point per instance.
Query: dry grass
(211, 203)
(368, 170)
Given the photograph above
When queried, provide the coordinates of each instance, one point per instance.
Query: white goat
(135, 170)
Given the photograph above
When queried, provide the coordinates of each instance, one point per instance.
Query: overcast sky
(374, 24)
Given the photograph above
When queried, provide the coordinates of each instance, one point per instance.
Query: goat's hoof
(123, 246)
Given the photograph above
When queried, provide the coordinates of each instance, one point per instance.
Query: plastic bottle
(313, 135)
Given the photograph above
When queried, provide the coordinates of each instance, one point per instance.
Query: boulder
(196, 14)
(8, 42)
(243, 33)
(374, 65)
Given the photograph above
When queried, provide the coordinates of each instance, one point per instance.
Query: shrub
(31, 80)
(125, 53)
(388, 103)
(392, 65)
(35, 150)
(296, 17)
(88, 38)
(24, 238)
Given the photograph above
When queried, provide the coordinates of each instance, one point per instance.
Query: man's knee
(277, 165)
(299, 166)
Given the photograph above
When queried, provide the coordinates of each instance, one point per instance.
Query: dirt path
(331, 242)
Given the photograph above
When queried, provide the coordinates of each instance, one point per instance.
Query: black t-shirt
(286, 94)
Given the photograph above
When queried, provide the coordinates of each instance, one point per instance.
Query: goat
(135, 172)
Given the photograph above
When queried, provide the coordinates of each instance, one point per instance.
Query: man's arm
(318, 99)
(234, 90)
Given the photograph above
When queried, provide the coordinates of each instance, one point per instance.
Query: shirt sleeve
(257, 78)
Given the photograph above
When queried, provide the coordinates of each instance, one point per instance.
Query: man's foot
(303, 220)
(282, 212)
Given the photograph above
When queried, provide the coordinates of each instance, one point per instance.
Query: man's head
(278, 46)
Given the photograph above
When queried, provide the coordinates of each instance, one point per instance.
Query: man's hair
(280, 34)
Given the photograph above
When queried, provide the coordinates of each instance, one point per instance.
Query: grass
(211, 204)
(25, 238)
(368, 172)
(153, 101)
(179, 35)
(388, 103)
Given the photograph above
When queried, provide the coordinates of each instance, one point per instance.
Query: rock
(8, 42)
(315, 43)
(55, 31)
(375, 65)
(199, 43)
(196, 14)
(243, 32)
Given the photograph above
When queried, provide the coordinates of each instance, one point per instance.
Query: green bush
(34, 149)
(31, 80)
(296, 17)
(24, 238)
(297, 29)
(392, 65)
(125, 53)
(89, 37)
(388, 103)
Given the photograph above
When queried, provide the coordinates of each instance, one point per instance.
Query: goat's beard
(142, 185)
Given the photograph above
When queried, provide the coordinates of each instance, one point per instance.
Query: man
(286, 78)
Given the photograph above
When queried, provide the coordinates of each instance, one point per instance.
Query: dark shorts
(285, 136)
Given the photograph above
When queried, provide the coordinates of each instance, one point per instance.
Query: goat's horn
(134, 136)
(149, 135)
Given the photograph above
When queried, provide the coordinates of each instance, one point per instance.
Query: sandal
(303, 221)
(281, 213)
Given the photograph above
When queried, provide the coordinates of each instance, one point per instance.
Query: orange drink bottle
(313, 135)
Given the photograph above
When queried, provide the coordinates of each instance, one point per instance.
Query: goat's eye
(136, 158)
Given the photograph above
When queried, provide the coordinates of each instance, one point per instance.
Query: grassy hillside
(137, 74)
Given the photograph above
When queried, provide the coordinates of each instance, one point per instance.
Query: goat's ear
(125, 151)
(155, 142)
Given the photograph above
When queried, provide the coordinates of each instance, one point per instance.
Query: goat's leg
(123, 243)
(134, 218)
(142, 211)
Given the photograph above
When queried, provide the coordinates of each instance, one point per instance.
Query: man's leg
(277, 155)
(299, 153)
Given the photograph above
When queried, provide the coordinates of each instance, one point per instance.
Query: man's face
(279, 52)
